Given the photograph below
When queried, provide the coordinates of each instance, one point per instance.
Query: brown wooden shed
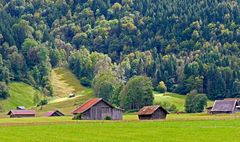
(98, 109)
(152, 112)
(54, 113)
(224, 106)
(21, 113)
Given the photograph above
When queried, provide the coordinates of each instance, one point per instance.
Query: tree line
(187, 45)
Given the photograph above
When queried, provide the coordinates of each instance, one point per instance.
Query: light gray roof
(224, 106)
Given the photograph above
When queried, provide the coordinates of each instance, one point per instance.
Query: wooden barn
(21, 113)
(152, 112)
(98, 109)
(224, 106)
(208, 109)
(55, 113)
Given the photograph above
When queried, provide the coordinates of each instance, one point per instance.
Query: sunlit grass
(176, 128)
(21, 94)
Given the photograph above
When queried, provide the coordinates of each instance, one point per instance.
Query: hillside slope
(21, 94)
(64, 83)
(172, 98)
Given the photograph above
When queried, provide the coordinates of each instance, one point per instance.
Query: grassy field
(20, 94)
(175, 129)
(65, 82)
(172, 98)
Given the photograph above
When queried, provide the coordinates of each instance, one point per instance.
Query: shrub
(4, 92)
(161, 87)
(43, 102)
(85, 81)
(77, 117)
(108, 118)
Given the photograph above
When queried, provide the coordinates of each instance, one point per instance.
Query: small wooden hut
(208, 109)
(20, 108)
(98, 109)
(224, 106)
(55, 113)
(21, 113)
(152, 112)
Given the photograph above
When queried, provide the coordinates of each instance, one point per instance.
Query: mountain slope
(64, 83)
(21, 94)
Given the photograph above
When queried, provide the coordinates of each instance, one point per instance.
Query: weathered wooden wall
(100, 111)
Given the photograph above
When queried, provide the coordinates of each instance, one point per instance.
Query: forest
(111, 45)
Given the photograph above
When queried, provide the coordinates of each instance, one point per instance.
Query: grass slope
(21, 94)
(226, 128)
(173, 98)
(65, 82)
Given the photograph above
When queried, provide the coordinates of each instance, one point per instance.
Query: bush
(161, 87)
(77, 117)
(85, 81)
(4, 92)
(43, 102)
(108, 118)
(195, 103)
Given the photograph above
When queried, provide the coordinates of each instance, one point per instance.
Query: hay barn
(54, 113)
(152, 112)
(21, 113)
(98, 109)
(224, 106)
(208, 109)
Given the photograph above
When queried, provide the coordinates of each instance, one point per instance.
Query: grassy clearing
(65, 82)
(67, 106)
(172, 98)
(64, 129)
(20, 94)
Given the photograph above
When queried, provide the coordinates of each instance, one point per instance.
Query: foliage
(4, 92)
(195, 103)
(136, 93)
(105, 85)
(188, 45)
(85, 82)
(161, 87)
(77, 117)
(43, 102)
(107, 118)
(167, 106)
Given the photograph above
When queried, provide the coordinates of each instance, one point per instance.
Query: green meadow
(20, 94)
(177, 128)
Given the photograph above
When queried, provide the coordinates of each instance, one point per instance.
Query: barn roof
(210, 107)
(237, 99)
(50, 113)
(224, 106)
(148, 110)
(21, 112)
(89, 104)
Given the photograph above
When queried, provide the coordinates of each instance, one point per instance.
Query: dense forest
(185, 44)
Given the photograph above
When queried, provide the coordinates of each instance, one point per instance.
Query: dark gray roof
(224, 106)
